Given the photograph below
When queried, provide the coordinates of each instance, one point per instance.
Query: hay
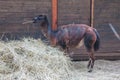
(31, 59)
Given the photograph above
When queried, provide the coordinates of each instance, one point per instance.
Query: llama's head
(39, 18)
(44, 24)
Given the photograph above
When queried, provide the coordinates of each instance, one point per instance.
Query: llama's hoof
(66, 55)
(90, 71)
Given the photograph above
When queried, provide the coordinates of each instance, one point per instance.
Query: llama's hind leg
(89, 42)
(91, 60)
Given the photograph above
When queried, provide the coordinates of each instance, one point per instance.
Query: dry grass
(31, 59)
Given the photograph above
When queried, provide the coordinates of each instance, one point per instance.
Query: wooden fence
(14, 12)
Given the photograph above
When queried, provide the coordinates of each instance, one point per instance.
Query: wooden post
(91, 13)
(54, 20)
(54, 14)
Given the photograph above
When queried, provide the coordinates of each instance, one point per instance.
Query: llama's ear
(45, 16)
(40, 15)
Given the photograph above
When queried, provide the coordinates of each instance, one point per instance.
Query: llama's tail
(97, 43)
(88, 41)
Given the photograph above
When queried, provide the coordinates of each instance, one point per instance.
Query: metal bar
(114, 31)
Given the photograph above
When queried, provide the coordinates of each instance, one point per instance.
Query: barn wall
(73, 11)
(107, 11)
(14, 12)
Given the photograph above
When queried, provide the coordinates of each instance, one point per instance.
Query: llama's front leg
(67, 49)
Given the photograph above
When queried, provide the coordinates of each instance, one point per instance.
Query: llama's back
(72, 34)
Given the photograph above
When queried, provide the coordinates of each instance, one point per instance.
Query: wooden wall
(14, 12)
(108, 11)
(73, 11)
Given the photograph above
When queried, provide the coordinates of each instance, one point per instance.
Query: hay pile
(31, 59)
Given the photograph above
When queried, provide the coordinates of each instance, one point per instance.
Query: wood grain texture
(14, 12)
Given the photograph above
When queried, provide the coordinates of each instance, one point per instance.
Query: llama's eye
(35, 18)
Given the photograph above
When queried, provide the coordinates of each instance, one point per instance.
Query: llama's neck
(50, 31)
(48, 25)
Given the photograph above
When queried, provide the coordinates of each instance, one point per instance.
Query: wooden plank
(17, 27)
(28, 15)
(54, 14)
(91, 13)
(17, 36)
(23, 6)
(13, 13)
(73, 11)
(107, 56)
